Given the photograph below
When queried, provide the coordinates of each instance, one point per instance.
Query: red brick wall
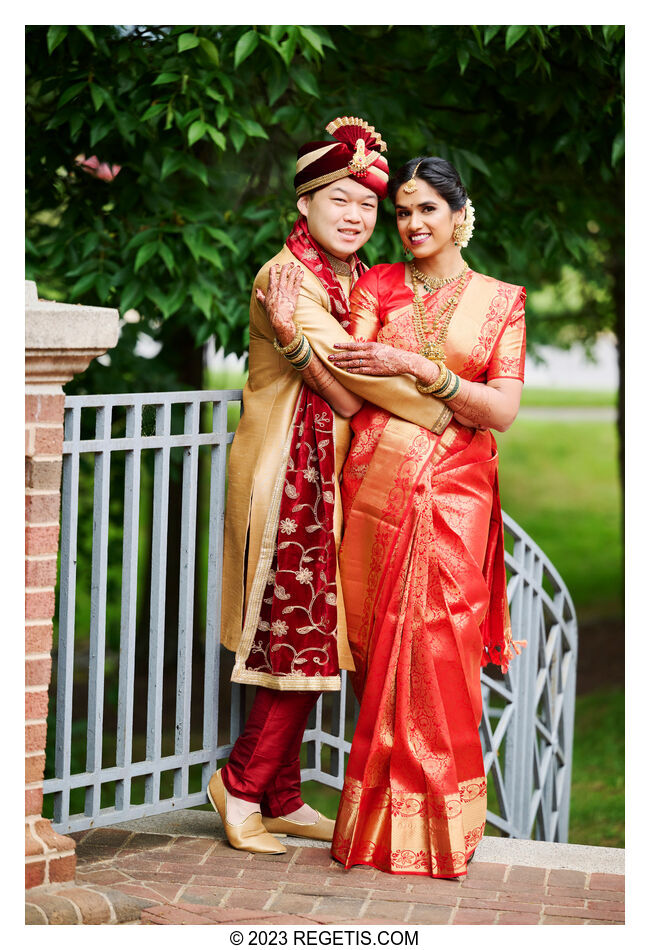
(48, 855)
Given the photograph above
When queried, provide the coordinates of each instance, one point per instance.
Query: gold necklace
(433, 349)
(342, 268)
(435, 283)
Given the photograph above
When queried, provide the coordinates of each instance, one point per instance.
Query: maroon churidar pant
(264, 765)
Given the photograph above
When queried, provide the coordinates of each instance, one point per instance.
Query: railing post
(60, 341)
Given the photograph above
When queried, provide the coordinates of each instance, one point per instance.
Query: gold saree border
(410, 822)
(293, 681)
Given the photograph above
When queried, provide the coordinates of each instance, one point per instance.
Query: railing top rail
(152, 399)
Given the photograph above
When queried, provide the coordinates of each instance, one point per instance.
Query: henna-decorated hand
(281, 299)
(373, 359)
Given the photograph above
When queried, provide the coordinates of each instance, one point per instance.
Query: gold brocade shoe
(250, 835)
(321, 830)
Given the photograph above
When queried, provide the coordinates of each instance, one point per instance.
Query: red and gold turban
(355, 153)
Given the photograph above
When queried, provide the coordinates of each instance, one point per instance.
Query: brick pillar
(61, 340)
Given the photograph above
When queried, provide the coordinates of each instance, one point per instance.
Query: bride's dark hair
(437, 172)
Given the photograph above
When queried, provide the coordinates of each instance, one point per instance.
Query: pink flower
(93, 166)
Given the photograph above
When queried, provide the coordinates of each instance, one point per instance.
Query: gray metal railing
(154, 757)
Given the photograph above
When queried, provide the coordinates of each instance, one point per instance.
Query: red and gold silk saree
(425, 595)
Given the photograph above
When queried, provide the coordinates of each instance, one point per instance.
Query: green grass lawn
(573, 398)
(559, 481)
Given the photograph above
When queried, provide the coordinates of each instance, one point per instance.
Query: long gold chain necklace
(433, 349)
(435, 283)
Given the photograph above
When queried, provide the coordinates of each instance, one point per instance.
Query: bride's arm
(491, 405)
(280, 303)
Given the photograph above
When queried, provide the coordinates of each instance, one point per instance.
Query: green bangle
(304, 361)
(454, 390)
(298, 355)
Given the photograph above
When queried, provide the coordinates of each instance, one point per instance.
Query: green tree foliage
(205, 123)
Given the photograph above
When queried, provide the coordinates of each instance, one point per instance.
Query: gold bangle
(293, 345)
(439, 383)
(447, 386)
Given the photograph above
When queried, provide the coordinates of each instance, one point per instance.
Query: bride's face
(425, 221)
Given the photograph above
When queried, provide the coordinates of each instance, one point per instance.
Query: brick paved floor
(176, 879)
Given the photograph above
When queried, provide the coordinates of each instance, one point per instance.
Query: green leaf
(245, 46)
(144, 254)
(288, 46)
(194, 167)
(187, 41)
(100, 129)
(154, 109)
(475, 161)
(211, 254)
(175, 300)
(76, 122)
(222, 112)
(252, 128)
(84, 284)
(237, 136)
(276, 32)
(88, 33)
(55, 35)
(463, 60)
(131, 296)
(202, 299)
(142, 237)
(165, 78)
(194, 241)
(490, 33)
(90, 243)
(166, 255)
(226, 82)
(218, 138)
(196, 131)
(312, 38)
(98, 96)
(277, 86)
(609, 32)
(305, 81)
(220, 235)
(103, 286)
(213, 94)
(70, 93)
(171, 163)
(203, 333)
(210, 50)
(265, 232)
(514, 34)
(618, 148)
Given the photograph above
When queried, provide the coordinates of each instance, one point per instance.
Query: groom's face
(341, 216)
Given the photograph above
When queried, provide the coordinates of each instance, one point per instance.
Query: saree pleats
(419, 525)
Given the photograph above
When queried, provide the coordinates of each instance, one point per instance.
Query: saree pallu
(420, 573)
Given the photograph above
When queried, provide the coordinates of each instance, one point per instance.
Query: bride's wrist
(285, 333)
(424, 370)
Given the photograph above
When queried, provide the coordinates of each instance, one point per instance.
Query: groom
(339, 184)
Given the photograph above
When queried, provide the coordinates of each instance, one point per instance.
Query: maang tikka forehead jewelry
(411, 185)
